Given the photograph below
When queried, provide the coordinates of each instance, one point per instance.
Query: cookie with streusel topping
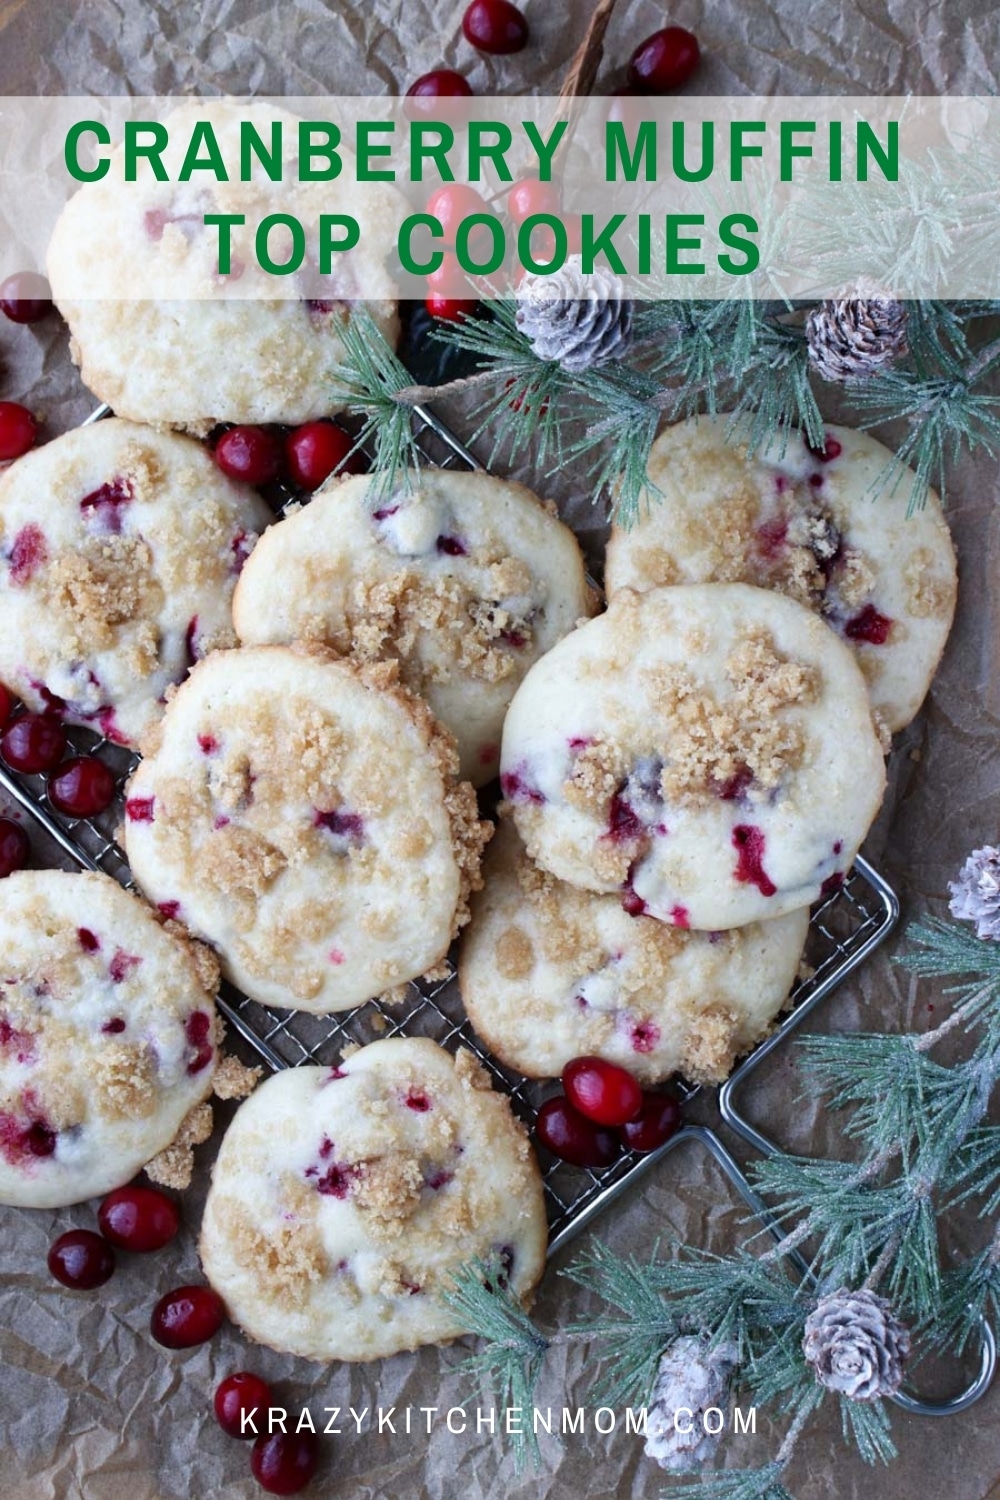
(463, 579)
(816, 525)
(705, 750)
(119, 551)
(549, 972)
(305, 817)
(166, 329)
(344, 1200)
(108, 1036)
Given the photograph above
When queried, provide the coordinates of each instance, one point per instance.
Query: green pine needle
(633, 1343)
(366, 384)
(511, 1363)
(732, 1484)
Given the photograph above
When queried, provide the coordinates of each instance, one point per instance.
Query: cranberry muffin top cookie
(120, 548)
(161, 335)
(706, 750)
(549, 972)
(108, 1036)
(463, 579)
(344, 1200)
(305, 817)
(817, 526)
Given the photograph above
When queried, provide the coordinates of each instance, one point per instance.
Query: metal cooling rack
(844, 929)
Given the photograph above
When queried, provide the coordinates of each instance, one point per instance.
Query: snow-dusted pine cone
(692, 1378)
(856, 1345)
(855, 337)
(578, 320)
(975, 895)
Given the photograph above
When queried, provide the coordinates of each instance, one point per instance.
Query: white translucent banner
(346, 199)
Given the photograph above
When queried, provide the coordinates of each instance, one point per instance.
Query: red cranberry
(495, 26)
(284, 1462)
(239, 1393)
(664, 61)
(14, 847)
(442, 83)
(658, 1119)
(139, 1219)
(314, 450)
(531, 196)
(82, 787)
(601, 1090)
(81, 1260)
(453, 203)
(6, 705)
(187, 1316)
(251, 454)
(447, 291)
(34, 742)
(570, 1135)
(449, 309)
(18, 429)
(25, 297)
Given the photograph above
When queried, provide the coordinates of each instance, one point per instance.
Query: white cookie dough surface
(304, 817)
(549, 972)
(707, 751)
(463, 579)
(344, 1200)
(108, 1036)
(814, 526)
(120, 548)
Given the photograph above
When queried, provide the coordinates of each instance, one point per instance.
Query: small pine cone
(691, 1379)
(975, 895)
(856, 337)
(856, 1345)
(579, 321)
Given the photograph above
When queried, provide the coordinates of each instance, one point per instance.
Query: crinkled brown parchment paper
(89, 1406)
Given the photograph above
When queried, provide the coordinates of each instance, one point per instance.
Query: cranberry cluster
(603, 1110)
(137, 1219)
(282, 1462)
(34, 744)
(306, 455)
(663, 62)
